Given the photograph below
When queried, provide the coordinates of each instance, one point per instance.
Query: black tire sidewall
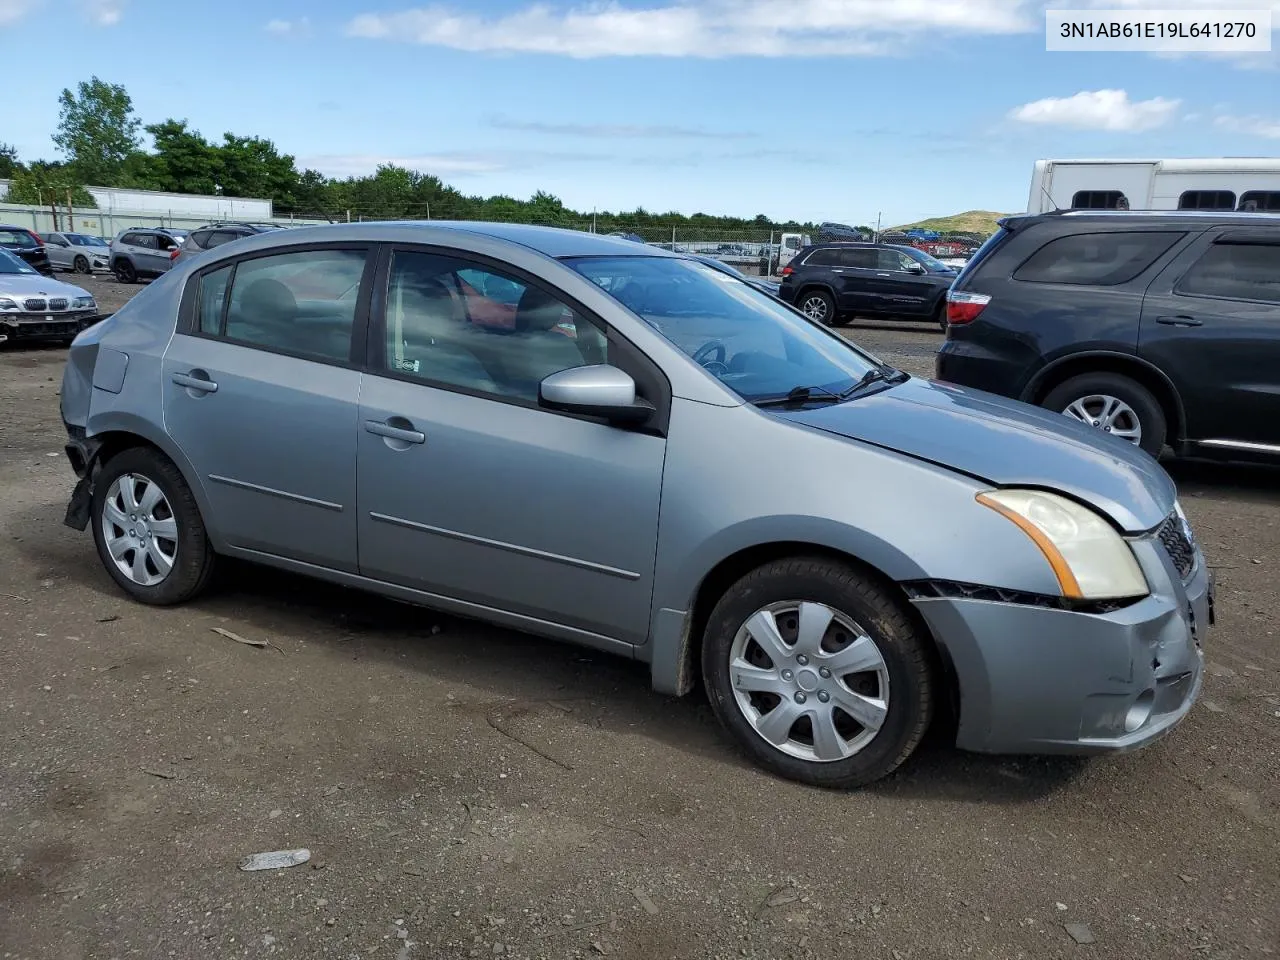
(124, 271)
(910, 708)
(76, 265)
(1145, 405)
(195, 557)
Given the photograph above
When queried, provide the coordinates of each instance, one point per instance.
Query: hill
(971, 221)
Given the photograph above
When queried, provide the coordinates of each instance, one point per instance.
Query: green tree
(9, 163)
(253, 167)
(97, 130)
(45, 183)
(183, 162)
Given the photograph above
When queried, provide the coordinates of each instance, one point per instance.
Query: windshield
(753, 344)
(17, 239)
(11, 264)
(84, 240)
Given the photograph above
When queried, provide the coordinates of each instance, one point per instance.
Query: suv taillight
(36, 237)
(788, 270)
(173, 254)
(964, 307)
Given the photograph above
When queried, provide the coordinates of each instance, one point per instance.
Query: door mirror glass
(598, 390)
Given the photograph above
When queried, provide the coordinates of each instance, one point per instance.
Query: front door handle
(196, 380)
(884, 275)
(392, 432)
(1179, 321)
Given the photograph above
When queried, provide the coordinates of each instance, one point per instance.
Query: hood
(1005, 443)
(37, 285)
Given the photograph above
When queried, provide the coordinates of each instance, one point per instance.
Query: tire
(124, 271)
(80, 265)
(818, 306)
(940, 314)
(188, 548)
(1089, 393)
(902, 677)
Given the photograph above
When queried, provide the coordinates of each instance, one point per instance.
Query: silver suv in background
(216, 234)
(143, 253)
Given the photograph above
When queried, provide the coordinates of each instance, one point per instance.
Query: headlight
(83, 303)
(7, 304)
(1090, 560)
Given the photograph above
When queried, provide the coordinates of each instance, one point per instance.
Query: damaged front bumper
(45, 326)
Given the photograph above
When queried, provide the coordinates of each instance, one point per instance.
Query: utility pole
(877, 240)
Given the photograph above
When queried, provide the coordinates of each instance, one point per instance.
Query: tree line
(100, 138)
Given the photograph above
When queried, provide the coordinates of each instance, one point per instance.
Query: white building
(118, 201)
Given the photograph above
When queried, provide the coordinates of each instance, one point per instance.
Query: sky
(844, 110)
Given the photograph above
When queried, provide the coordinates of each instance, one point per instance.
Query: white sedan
(36, 307)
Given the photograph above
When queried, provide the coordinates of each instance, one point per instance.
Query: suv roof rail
(1212, 214)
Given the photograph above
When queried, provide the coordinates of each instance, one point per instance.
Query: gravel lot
(471, 792)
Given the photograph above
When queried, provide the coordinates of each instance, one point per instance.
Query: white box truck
(1225, 183)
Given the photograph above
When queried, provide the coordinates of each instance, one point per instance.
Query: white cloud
(1098, 110)
(105, 13)
(290, 28)
(364, 164)
(11, 11)
(709, 29)
(1254, 125)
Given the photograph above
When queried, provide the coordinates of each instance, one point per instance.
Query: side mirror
(915, 267)
(598, 390)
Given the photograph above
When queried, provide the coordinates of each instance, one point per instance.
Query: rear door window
(1096, 259)
(1235, 271)
(863, 258)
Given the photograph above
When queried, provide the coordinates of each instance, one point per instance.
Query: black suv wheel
(1112, 402)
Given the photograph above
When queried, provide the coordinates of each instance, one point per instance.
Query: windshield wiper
(881, 374)
(801, 395)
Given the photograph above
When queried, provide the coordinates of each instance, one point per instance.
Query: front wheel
(80, 265)
(148, 530)
(818, 673)
(1114, 404)
(819, 307)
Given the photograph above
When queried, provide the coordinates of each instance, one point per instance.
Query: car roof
(554, 242)
(1233, 217)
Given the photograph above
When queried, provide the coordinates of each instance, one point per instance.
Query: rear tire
(818, 306)
(80, 265)
(864, 657)
(1114, 400)
(145, 517)
(124, 271)
(940, 315)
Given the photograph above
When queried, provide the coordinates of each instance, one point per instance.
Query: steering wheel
(712, 351)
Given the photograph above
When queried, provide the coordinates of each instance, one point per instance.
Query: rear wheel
(817, 673)
(818, 306)
(80, 264)
(940, 315)
(125, 272)
(1115, 404)
(148, 530)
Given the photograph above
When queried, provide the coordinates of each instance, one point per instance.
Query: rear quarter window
(1096, 259)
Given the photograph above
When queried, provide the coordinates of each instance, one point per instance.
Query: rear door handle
(194, 382)
(392, 432)
(1179, 321)
(884, 274)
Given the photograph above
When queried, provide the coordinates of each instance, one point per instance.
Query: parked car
(658, 485)
(834, 282)
(27, 245)
(763, 284)
(36, 307)
(79, 252)
(216, 234)
(142, 254)
(1161, 328)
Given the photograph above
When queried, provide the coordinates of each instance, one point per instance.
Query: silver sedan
(621, 447)
(78, 252)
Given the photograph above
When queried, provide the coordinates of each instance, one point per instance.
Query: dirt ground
(466, 791)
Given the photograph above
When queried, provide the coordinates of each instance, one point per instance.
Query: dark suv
(215, 234)
(22, 243)
(833, 282)
(1156, 327)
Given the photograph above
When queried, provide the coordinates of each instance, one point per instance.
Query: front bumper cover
(1042, 680)
(44, 326)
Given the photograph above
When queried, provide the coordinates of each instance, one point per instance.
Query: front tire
(148, 530)
(80, 265)
(818, 673)
(1114, 403)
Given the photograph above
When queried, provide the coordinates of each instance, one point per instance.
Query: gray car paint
(603, 536)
